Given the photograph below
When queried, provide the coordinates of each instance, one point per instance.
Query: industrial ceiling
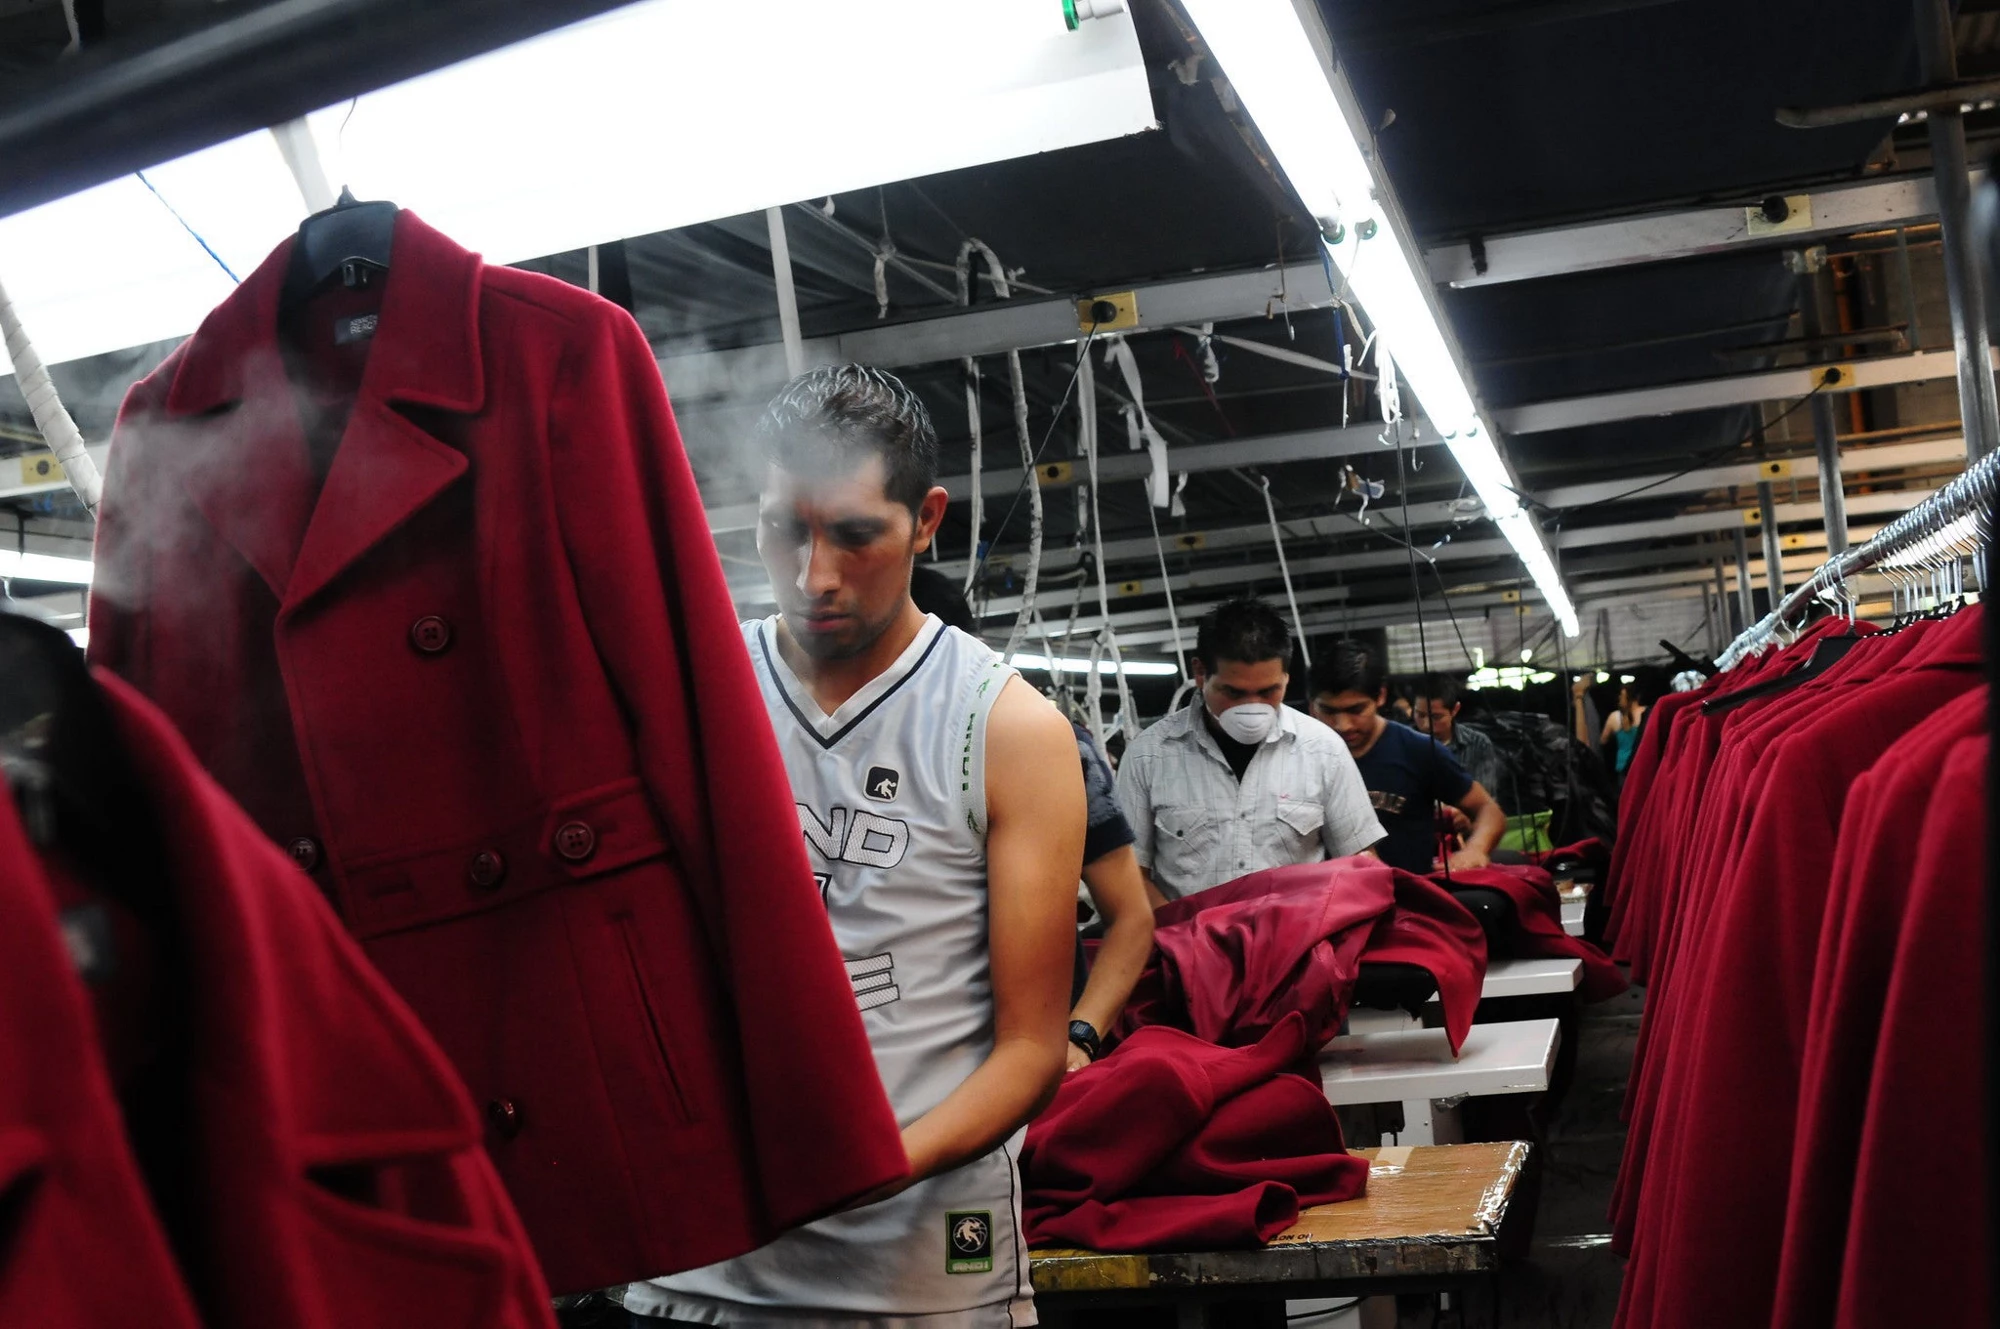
(1648, 273)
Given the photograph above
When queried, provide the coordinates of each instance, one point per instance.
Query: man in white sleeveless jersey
(943, 809)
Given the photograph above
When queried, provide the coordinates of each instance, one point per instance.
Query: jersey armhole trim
(984, 690)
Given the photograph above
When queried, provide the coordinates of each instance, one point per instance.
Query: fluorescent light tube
(45, 567)
(1281, 64)
(1133, 668)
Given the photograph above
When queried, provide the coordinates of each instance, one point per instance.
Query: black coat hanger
(1825, 652)
(350, 240)
(67, 767)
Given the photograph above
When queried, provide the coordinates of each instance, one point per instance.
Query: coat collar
(248, 471)
(426, 352)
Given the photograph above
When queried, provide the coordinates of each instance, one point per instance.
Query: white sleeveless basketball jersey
(891, 795)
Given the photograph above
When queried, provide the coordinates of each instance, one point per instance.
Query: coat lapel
(247, 471)
(386, 470)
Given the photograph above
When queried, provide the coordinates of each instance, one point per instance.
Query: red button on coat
(487, 869)
(575, 841)
(430, 634)
(505, 1116)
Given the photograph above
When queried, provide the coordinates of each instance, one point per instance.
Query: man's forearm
(1487, 828)
(1016, 1081)
(1121, 956)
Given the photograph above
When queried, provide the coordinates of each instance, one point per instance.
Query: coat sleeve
(652, 591)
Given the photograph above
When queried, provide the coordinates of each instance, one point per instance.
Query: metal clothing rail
(1957, 516)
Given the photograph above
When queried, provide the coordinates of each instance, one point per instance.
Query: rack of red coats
(1799, 885)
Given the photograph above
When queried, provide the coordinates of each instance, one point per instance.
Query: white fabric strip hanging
(1117, 352)
(1285, 571)
(970, 366)
(997, 274)
(1167, 585)
(1087, 412)
(51, 417)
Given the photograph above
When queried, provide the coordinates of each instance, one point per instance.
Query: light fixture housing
(1282, 66)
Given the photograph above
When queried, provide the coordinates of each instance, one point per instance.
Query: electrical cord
(1831, 377)
(1423, 639)
(173, 212)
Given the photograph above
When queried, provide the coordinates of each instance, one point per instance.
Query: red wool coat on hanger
(486, 683)
(1712, 1205)
(306, 1069)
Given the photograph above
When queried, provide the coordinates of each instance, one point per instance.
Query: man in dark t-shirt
(1408, 774)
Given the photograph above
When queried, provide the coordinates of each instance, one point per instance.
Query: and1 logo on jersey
(883, 783)
(968, 1239)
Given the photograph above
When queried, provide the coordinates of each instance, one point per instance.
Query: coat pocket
(632, 956)
(371, 1265)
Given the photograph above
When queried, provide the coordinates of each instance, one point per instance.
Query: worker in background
(943, 810)
(1240, 782)
(1407, 773)
(1099, 990)
(1437, 707)
(1619, 738)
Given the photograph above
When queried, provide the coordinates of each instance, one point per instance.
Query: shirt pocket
(1187, 833)
(1298, 829)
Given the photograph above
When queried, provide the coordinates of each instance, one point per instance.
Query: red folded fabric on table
(1249, 1217)
(1538, 931)
(1233, 961)
(1174, 1142)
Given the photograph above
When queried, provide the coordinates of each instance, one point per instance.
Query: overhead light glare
(1285, 76)
(1133, 668)
(556, 144)
(51, 568)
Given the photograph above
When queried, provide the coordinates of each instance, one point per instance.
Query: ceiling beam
(1723, 519)
(1064, 472)
(1597, 595)
(1006, 325)
(1655, 237)
(1883, 457)
(1731, 390)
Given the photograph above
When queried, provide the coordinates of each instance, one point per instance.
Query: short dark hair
(938, 594)
(1348, 667)
(1440, 687)
(1244, 629)
(821, 418)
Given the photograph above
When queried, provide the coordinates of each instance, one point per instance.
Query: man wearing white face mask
(1239, 782)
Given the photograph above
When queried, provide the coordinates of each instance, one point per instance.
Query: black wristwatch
(1084, 1035)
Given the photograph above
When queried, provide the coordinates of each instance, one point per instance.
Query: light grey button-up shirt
(1300, 800)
